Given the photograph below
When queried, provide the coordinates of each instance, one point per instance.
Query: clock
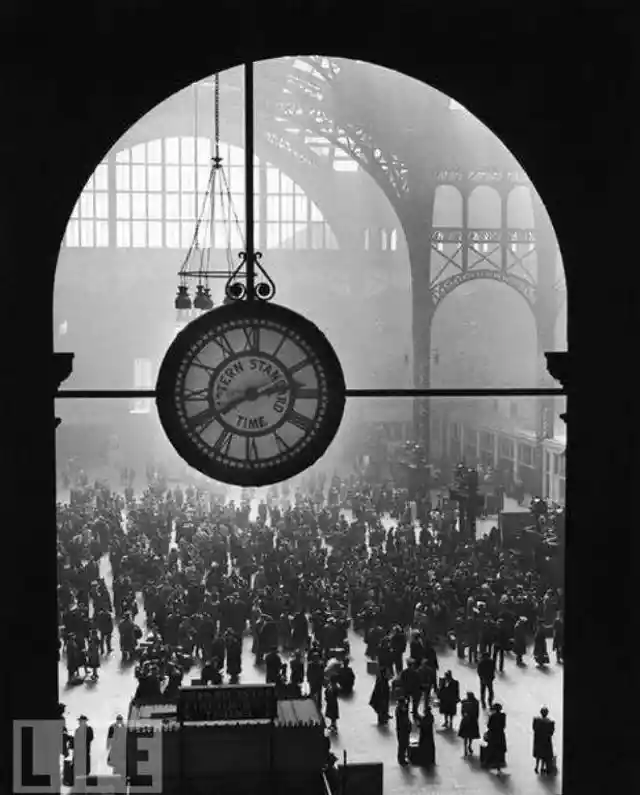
(250, 393)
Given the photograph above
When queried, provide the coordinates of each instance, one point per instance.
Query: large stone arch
(78, 112)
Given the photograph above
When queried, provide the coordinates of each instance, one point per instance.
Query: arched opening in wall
(458, 253)
(484, 336)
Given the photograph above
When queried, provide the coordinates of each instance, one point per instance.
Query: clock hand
(272, 389)
(253, 393)
(235, 401)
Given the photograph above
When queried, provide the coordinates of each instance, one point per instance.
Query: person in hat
(381, 697)
(117, 746)
(410, 682)
(449, 696)
(273, 663)
(425, 754)
(82, 739)
(486, 675)
(469, 729)
(403, 729)
(494, 753)
(520, 638)
(332, 709)
(543, 731)
(296, 670)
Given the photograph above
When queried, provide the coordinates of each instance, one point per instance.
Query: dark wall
(555, 86)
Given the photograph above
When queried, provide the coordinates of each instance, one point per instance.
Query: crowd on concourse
(193, 573)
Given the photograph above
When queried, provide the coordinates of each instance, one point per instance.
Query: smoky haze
(328, 221)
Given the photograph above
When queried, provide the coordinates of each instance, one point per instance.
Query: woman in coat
(558, 637)
(520, 639)
(93, 654)
(540, 652)
(380, 697)
(543, 730)
(469, 729)
(494, 753)
(449, 695)
(332, 710)
(425, 754)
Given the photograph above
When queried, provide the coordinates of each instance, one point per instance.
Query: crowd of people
(297, 577)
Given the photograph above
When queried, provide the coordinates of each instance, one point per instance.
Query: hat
(83, 717)
(497, 707)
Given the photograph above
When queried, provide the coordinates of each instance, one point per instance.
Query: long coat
(495, 756)
(426, 756)
(469, 728)
(381, 696)
(449, 695)
(543, 730)
(332, 710)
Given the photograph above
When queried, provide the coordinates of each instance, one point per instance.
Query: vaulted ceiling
(331, 114)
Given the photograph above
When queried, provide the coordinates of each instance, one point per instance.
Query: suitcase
(372, 667)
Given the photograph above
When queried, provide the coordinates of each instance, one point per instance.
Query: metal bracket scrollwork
(236, 290)
(441, 290)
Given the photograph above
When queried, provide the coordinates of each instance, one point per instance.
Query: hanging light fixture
(208, 301)
(200, 301)
(217, 201)
(183, 300)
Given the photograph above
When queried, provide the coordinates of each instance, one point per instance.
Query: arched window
(447, 207)
(158, 191)
(485, 208)
(89, 222)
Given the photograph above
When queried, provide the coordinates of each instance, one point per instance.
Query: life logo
(37, 755)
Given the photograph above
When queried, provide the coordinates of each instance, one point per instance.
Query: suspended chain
(210, 192)
(216, 119)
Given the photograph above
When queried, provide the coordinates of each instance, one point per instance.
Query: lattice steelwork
(459, 255)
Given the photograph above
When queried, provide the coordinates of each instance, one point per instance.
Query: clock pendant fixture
(251, 393)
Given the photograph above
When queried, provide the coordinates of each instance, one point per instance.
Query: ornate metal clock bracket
(61, 370)
(237, 290)
(558, 365)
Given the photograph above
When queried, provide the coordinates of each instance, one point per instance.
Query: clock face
(250, 394)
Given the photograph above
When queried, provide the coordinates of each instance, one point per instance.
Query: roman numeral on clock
(280, 443)
(198, 422)
(197, 363)
(225, 346)
(252, 339)
(223, 442)
(251, 449)
(300, 421)
(283, 339)
(300, 366)
(195, 394)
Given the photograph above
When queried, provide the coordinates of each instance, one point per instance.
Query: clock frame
(250, 393)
